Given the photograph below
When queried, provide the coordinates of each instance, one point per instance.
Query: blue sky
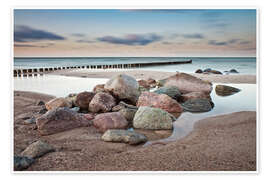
(160, 32)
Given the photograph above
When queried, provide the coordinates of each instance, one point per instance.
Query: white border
(258, 158)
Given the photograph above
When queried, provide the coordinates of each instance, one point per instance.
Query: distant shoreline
(145, 74)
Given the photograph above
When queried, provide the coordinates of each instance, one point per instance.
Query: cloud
(31, 45)
(78, 35)
(223, 43)
(166, 43)
(245, 42)
(131, 39)
(232, 41)
(193, 36)
(85, 41)
(215, 43)
(26, 34)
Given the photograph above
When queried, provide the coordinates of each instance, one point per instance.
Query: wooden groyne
(35, 71)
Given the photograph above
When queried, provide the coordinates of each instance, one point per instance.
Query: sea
(244, 65)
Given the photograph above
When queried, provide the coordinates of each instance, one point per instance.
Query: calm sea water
(245, 65)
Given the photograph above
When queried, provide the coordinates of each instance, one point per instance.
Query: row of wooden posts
(20, 72)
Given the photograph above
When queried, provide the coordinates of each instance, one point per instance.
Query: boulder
(99, 88)
(187, 83)
(215, 72)
(125, 136)
(233, 71)
(128, 113)
(151, 82)
(57, 102)
(152, 118)
(171, 91)
(144, 84)
(207, 70)
(112, 120)
(194, 95)
(198, 71)
(30, 121)
(40, 103)
(90, 116)
(197, 105)
(22, 162)
(83, 99)
(37, 149)
(223, 90)
(60, 119)
(123, 87)
(161, 101)
(123, 105)
(102, 102)
(71, 99)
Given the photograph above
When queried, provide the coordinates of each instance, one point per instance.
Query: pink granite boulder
(161, 101)
(101, 102)
(112, 120)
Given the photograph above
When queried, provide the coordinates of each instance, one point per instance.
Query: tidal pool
(61, 86)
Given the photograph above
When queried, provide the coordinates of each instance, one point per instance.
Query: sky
(134, 32)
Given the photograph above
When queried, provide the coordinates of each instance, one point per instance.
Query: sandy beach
(220, 143)
(143, 74)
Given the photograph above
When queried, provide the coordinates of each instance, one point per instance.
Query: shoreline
(158, 75)
(224, 142)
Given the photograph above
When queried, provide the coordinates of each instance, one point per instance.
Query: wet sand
(142, 74)
(221, 143)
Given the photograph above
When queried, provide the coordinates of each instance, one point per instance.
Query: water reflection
(245, 100)
(61, 86)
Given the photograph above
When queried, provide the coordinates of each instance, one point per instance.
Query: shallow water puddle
(245, 100)
(61, 86)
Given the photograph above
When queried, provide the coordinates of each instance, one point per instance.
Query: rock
(128, 114)
(40, 103)
(233, 71)
(152, 118)
(215, 72)
(171, 91)
(198, 71)
(112, 120)
(161, 82)
(60, 119)
(144, 84)
(37, 149)
(30, 121)
(187, 83)
(43, 111)
(142, 89)
(151, 82)
(21, 162)
(123, 105)
(223, 90)
(102, 102)
(161, 101)
(57, 102)
(194, 95)
(90, 116)
(71, 100)
(76, 109)
(125, 136)
(207, 70)
(83, 99)
(197, 105)
(99, 88)
(123, 87)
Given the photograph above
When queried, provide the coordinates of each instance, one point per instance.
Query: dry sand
(226, 142)
(142, 74)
